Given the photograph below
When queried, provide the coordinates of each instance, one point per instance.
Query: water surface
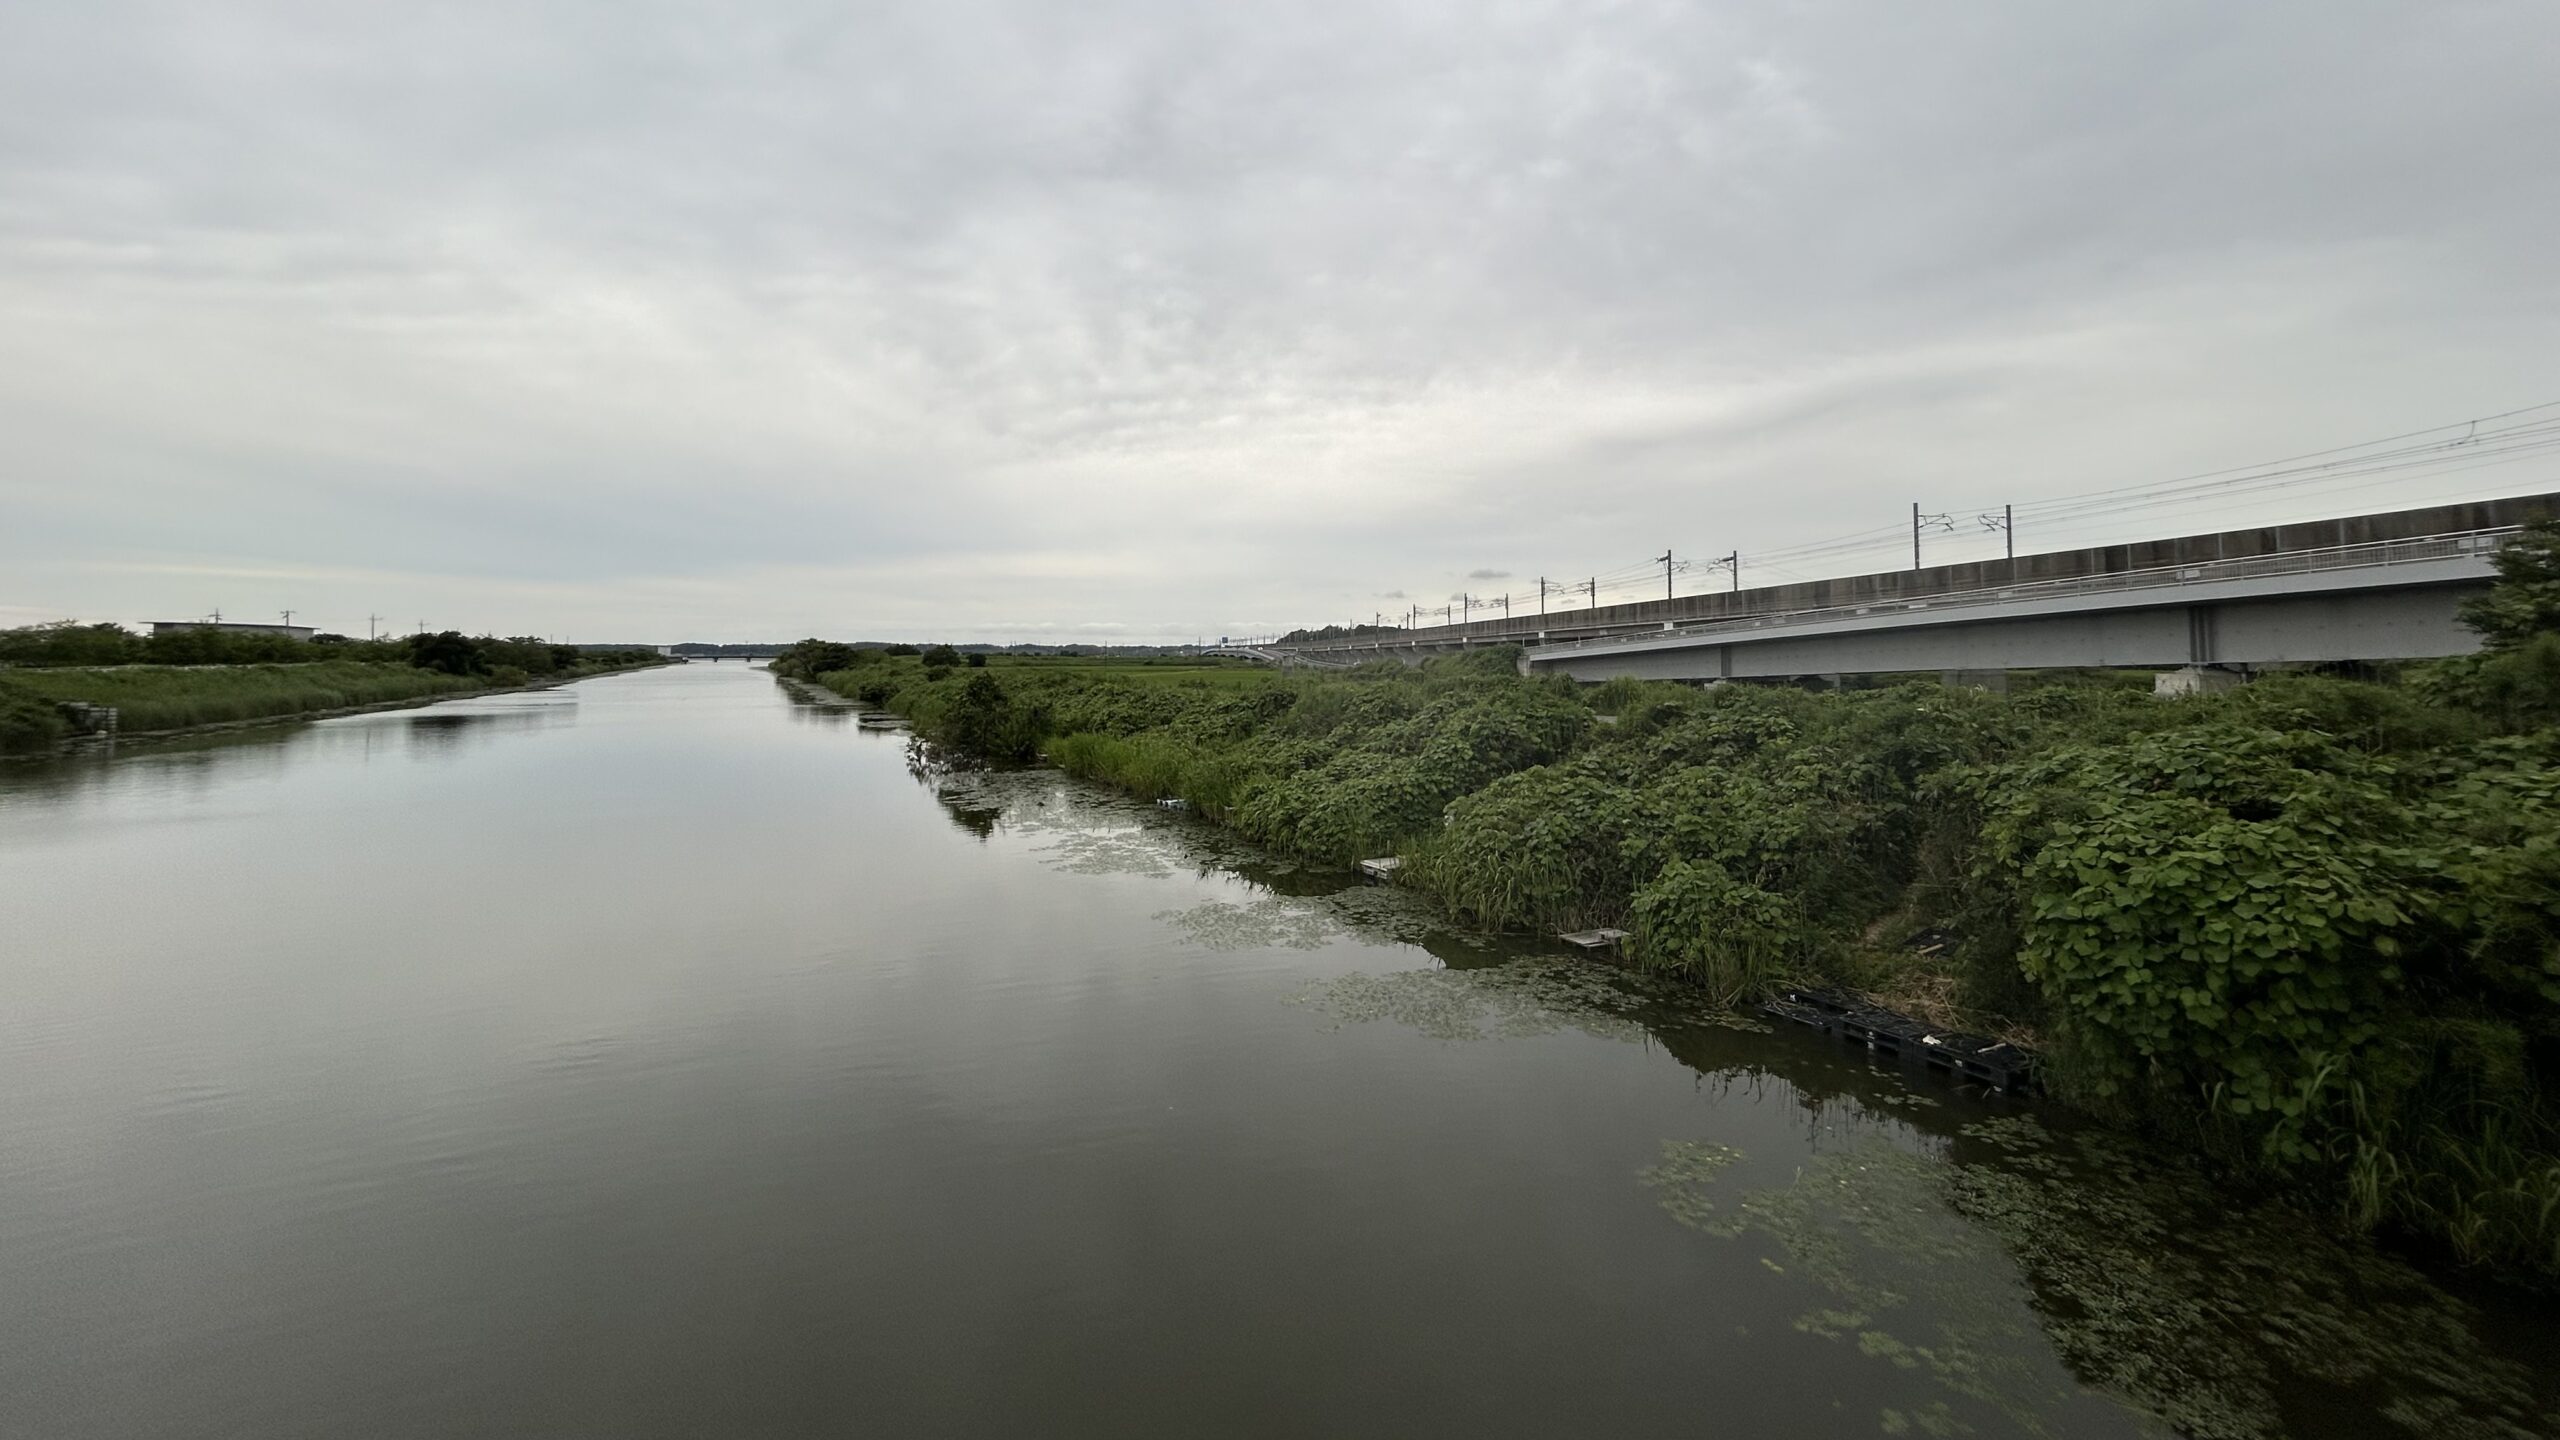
(660, 1056)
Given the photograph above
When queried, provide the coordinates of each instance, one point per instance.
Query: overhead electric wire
(2436, 452)
(2502, 445)
(2470, 427)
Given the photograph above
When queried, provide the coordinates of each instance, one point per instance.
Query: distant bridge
(706, 651)
(2368, 588)
(1278, 655)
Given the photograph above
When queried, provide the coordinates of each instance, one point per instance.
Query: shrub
(1730, 937)
(983, 720)
(2525, 601)
(29, 724)
(448, 652)
(1546, 846)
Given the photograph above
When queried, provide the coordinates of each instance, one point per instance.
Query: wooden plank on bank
(1600, 939)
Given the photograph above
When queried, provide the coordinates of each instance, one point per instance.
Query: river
(663, 1055)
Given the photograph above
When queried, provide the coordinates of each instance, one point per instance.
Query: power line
(2435, 451)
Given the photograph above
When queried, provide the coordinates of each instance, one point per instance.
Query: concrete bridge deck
(2395, 600)
(2387, 592)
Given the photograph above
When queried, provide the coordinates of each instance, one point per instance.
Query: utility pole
(1943, 522)
(369, 622)
(1666, 573)
(217, 616)
(1733, 562)
(288, 619)
(1595, 592)
(1542, 597)
(1468, 604)
(2007, 525)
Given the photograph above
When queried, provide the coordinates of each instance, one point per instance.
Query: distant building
(230, 627)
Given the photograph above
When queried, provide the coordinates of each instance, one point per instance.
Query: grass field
(171, 697)
(1166, 670)
(162, 697)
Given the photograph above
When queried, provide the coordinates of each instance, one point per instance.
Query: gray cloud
(1010, 319)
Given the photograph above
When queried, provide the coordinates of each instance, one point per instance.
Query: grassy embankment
(151, 697)
(2310, 927)
(213, 691)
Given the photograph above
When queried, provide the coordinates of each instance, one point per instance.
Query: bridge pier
(2197, 680)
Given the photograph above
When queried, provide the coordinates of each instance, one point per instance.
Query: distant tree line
(1338, 632)
(809, 659)
(530, 657)
(68, 643)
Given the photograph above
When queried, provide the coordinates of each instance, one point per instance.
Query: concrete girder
(2275, 626)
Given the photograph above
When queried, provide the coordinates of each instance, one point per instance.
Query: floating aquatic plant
(2142, 1278)
(1523, 998)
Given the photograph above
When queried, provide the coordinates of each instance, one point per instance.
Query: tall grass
(1152, 767)
(154, 697)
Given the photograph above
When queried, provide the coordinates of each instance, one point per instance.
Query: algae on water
(1522, 998)
(1528, 996)
(2142, 1278)
(1269, 922)
(1304, 922)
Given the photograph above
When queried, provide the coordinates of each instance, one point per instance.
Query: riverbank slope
(155, 699)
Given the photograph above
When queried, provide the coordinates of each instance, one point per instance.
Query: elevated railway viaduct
(2371, 587)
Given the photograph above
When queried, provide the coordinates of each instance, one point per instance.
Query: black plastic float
(1978, 1058)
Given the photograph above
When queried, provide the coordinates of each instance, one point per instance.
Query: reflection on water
(194, 763)
(670, 1057)
(810, 705)
(441, 735)
(2219, 1319)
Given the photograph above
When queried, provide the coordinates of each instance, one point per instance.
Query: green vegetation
(159, 697)
(2310, 926)
(69, 643)
(221, 677)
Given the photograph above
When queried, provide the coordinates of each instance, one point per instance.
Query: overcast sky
(1033, 319)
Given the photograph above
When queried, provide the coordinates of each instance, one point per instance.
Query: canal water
(666, 1056)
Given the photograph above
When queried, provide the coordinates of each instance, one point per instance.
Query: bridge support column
(2195, 680)
(2203, 636)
